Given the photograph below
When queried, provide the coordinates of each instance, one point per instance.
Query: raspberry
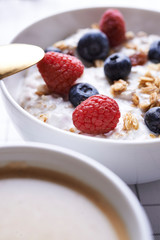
(97, 115)
(113, 25)
(60, 71)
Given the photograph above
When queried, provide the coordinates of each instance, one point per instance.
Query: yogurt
(132, 95)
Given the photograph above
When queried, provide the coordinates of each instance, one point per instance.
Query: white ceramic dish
(133, 161)
(87, 171)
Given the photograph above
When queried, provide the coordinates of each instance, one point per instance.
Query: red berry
(113, 25)
(97, 115)
(60, 71)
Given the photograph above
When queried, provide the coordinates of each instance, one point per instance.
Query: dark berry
(93, 46)
(152, 119)
(154, 52)
(117, 66)
(80, 92)
(52, 49)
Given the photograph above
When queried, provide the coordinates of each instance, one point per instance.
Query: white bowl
(87, 171)
(133, 161)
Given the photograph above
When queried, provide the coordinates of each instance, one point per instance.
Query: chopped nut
(43, 117)
(130, 46)
(72, 130)
(130, 122)
(42, 90)
(98, 63)
(144, 106)
(95, 26)
(130, 35)
(152, 135)
(118, 87)
(135, 99)
(61, 45)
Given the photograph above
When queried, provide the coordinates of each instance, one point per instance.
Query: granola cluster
(118, 87)
(150, 85)
(130, 122)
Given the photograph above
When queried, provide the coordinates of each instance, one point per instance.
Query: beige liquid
(37, 204)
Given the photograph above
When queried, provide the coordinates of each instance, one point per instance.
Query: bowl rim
(50, 127)
(119, 185)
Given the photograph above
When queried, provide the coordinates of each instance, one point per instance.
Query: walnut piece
(135, 99)
(118, 87)
(130, 122)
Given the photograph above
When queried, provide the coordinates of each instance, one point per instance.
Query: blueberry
(152, 119)
(117, 66)
(154, 52)
(52, 49)
(80, 92)
(93, 46)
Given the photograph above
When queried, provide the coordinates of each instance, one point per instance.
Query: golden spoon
(17, 57)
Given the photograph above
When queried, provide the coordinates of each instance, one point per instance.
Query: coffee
(41, 204)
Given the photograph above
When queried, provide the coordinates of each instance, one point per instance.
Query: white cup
(89, 172)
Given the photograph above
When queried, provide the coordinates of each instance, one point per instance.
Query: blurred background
(15, 15)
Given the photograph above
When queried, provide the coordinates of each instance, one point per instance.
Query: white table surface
(16, 15)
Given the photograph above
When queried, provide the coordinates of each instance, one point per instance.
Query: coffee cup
(49, 192)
